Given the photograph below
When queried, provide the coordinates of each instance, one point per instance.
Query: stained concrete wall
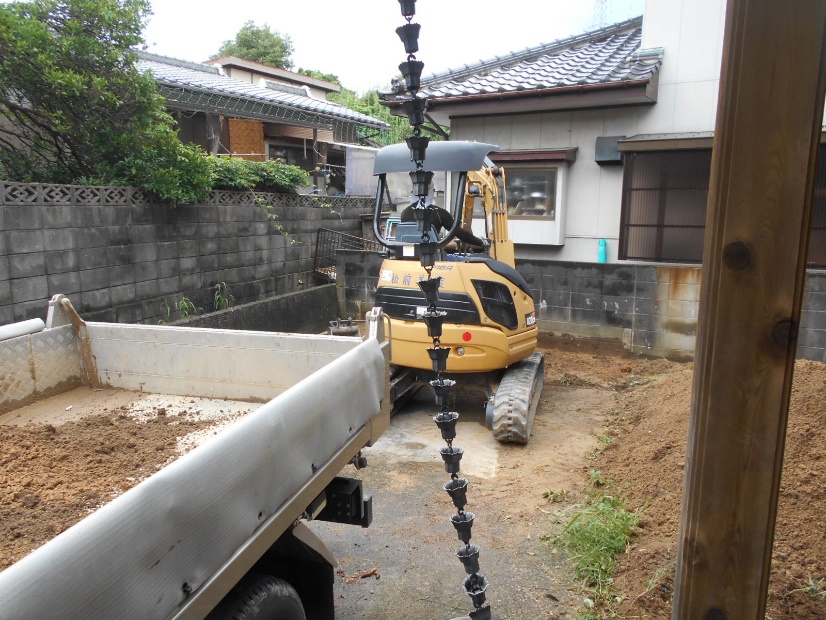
(652, 308)
(120, 257)
(356, 286)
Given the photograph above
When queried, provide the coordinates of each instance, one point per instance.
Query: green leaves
(369, 104)
(70, 89)
(266, 176)
(260, 44)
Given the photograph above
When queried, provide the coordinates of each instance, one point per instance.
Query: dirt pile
(53, 475)
(650, 454)
(646, 461)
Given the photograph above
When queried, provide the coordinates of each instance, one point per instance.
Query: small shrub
(265, 176)
(275, 176)
(232, 173)
(173, 172)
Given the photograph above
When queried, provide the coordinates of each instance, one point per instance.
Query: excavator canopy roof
(439, 157)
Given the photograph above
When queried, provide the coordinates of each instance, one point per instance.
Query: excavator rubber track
(517, 398)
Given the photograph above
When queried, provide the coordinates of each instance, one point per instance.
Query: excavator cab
(490, 316)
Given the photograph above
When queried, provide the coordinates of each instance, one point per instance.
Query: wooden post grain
(768, 127)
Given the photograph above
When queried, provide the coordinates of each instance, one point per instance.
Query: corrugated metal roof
(604, 56)
(206, 78)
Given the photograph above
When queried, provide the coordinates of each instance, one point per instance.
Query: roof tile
(206, 78)
(598, 57)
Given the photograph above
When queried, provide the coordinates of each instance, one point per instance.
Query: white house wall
(592, 202)
(690, 31)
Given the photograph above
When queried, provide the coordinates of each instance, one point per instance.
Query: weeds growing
(815, 589)
(223, 299)
(556, 497)
(186, 308)
(598, 532)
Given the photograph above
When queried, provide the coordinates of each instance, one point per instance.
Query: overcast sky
(356, 39)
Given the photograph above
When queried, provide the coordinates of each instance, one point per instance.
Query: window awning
(667, 141)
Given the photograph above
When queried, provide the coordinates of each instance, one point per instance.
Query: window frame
(547, 167)
(666, 192)
(816, 255)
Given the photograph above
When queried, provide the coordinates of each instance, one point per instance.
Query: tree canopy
(73, 106)
(327, 77)
(259, 44)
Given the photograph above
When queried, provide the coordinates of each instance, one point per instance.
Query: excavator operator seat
(408, 232)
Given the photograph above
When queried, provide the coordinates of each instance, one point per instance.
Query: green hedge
(180, 174)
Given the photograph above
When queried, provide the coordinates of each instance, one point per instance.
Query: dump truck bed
(176, 543)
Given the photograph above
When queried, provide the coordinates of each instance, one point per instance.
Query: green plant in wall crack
(166, 313)
(187, 309)
(267, 208)
(324, 204)
(223, 299)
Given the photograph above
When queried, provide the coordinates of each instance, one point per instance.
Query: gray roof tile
(207, 78)
(603, 56)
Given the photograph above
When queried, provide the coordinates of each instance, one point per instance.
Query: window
(531, 192)
(664, 204)
(817, 233)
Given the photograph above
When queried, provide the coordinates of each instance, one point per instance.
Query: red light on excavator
(467, 336)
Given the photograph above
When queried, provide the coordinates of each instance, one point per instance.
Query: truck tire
(266, 598)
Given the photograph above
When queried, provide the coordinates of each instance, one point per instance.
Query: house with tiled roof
(257, 112)
(605, 136)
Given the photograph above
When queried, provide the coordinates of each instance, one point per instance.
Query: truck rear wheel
(266, 598)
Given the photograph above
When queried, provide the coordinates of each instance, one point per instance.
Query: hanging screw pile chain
(475, 584)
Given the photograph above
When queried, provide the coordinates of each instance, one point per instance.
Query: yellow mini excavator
(490, 316)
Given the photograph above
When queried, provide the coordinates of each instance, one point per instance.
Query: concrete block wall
(811, 337)
(305, 312)
(120, 257)
(652, 308)
(356, 286)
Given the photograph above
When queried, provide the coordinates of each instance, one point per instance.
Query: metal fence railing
(328, 243)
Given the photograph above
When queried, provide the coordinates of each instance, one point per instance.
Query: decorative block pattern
(57, 194)
(21, 193)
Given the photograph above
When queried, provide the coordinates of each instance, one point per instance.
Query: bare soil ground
(54, 471)
(646, 460)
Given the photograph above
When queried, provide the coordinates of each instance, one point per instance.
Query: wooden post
(763, 170)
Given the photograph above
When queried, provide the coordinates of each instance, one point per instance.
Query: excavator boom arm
(488, 185)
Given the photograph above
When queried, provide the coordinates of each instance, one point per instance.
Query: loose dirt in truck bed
(64, 457)
(403, 567)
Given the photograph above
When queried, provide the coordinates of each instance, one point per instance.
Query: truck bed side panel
(213, 363)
